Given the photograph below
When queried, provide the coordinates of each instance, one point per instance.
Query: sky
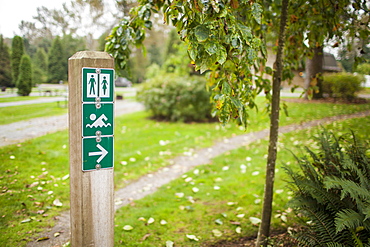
(12, 12)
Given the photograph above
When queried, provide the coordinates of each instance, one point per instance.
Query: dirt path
(149, 183)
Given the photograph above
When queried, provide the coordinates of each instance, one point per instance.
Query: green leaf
(221, 55)
(211, 48)
(245, 31)
(257, 12)
(202, 33)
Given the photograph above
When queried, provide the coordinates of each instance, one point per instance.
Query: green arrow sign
(97, 155)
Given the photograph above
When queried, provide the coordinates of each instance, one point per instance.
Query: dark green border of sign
(84, 84)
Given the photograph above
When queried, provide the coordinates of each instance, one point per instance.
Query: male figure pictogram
(92, 83)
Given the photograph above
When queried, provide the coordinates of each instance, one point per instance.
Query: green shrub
(363, 69)
(177, 98)
(24, 83)
(342, 85)
(332, 193)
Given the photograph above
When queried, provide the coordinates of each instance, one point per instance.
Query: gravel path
(28, 129)
(149, 183)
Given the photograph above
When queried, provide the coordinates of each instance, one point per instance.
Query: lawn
(220, 200)
(19, 98)
(35, 185)
(13, 114)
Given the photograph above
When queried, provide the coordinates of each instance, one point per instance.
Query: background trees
(5, 69)
(57, 68)
(17, 53)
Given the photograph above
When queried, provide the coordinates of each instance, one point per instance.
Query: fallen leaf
(284, 218)
(42, 239)
(150, 220)
(26, 220)
(127, 228)
(179, 195)
(255, 220)
(218, 222)
(142, 219)
(57, 234)
(217, 233)
(192, 237)
(169, 243)
(57, 203)
(145, 236)
(238, 230)
(231, 203)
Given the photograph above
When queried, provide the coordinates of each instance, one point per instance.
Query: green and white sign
(97, 118)
(97, 155)
(97, 83)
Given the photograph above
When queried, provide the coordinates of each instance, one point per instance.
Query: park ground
(35, 206)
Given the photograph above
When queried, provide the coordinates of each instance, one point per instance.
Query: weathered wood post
(91, 115)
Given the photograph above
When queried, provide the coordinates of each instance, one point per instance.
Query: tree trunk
(264, 230)
(314, 69)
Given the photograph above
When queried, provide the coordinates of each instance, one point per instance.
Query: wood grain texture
(92, 192)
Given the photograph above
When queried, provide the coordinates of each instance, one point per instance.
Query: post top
(91, 55)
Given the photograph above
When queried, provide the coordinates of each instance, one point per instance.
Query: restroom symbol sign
(97, 83)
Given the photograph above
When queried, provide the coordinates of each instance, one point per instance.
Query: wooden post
(91, 191)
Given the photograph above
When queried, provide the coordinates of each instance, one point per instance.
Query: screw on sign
(97, 118)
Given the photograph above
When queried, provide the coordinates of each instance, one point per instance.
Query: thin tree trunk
(314, 69)
(264, 230)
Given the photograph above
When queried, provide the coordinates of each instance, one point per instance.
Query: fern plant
(332, 192)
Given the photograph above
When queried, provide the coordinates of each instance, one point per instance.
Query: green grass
(24, 112)
(365, 90)
(18, 98)
(226, 196)
(31, 170)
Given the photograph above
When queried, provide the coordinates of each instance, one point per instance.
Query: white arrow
(102, 153)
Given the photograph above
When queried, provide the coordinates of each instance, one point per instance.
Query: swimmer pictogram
(100, 122)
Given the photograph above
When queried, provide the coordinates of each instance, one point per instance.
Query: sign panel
(97, 118)
(97, 155)
(97, 83)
